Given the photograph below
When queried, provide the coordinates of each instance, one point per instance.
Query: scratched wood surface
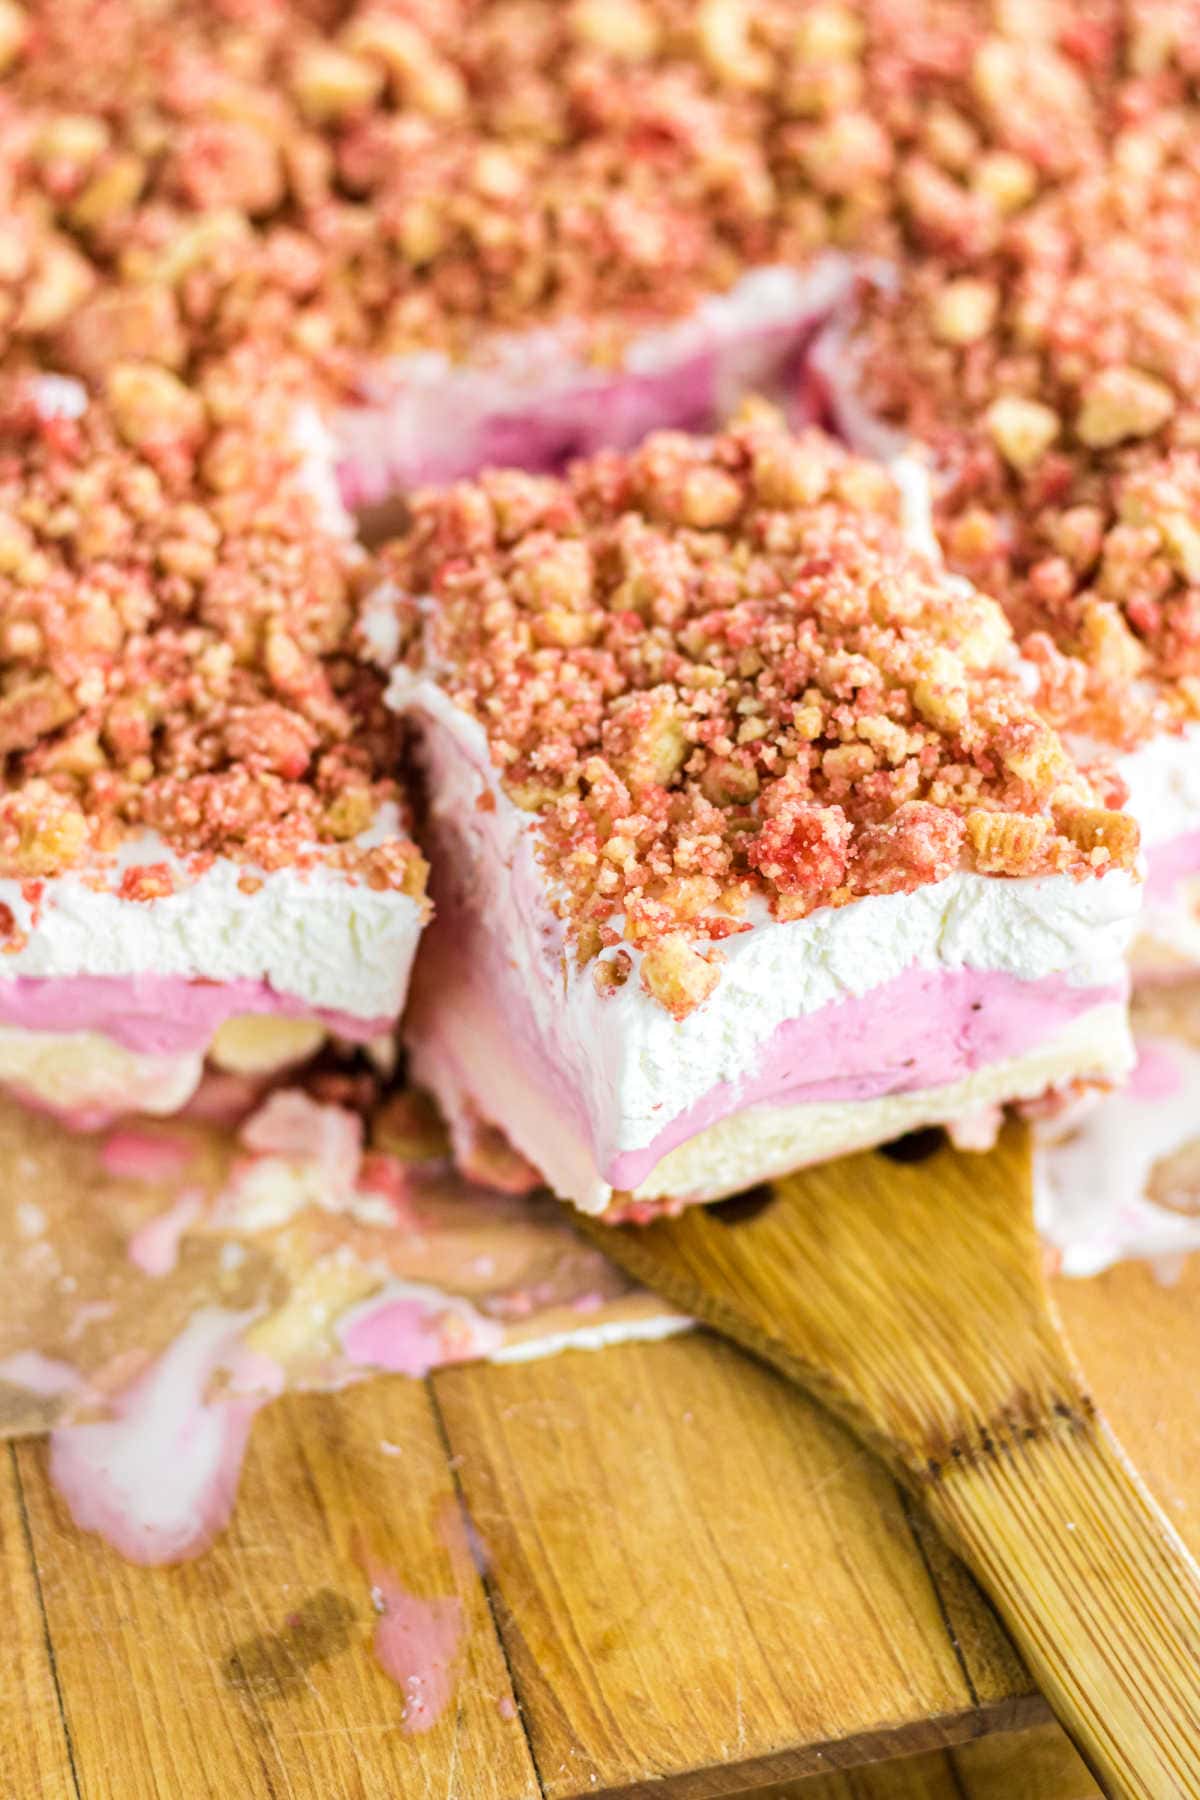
(678, 1578)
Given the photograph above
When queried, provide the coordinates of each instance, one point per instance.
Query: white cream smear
(158, 1478)
(1093, 1173)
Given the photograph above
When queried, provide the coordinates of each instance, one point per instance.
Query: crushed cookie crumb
(147, 881)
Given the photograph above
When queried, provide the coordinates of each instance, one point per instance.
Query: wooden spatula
(909, 1298)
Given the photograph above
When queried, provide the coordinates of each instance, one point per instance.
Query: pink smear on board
(154, 1247)
(158, 1478)
(133, 1155)
(401, 1336)
(409, 1331)
(464, 1542)
(506, 1706)
(416, 1643)
(1156, 1074)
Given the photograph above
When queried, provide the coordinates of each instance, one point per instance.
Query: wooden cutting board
(686, 1582)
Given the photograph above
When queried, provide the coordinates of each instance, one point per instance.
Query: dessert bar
(203, 845)
(749, 845)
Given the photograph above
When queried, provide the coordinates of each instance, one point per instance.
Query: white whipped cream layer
(315, 933)
(633, 1067)
(1094, 1167)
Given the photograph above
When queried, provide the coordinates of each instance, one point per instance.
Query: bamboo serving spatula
(909, 1298)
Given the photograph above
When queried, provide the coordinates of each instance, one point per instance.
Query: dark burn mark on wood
(1023, 1421)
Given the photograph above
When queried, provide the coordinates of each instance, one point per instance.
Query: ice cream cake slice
(203, 845)
(749, 845)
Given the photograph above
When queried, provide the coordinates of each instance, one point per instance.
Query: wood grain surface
(674, 1586)
(687, 1581)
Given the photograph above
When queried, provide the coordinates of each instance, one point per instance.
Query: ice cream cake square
(749, 845)
(204, 845)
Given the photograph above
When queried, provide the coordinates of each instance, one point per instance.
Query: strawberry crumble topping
(715, 671)
(383, 177)
(1052, 366)
(175, 632)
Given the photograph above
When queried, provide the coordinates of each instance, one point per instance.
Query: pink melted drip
(416, 1643)
(154, 1247)
(410, 1333)
(1156, 1074)
(133, 1155)
(157, 1480)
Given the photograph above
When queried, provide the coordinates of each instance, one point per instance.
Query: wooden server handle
(909, 1298)
(1097, 1592)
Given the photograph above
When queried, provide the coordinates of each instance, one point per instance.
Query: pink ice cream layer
(159, 1015)
(399, 441)
(928, 1028)
(1169, 863)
